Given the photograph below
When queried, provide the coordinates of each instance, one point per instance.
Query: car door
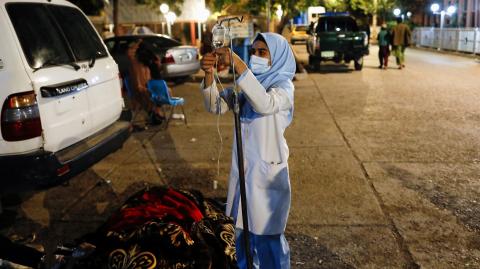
(59, 87)
(97, 67)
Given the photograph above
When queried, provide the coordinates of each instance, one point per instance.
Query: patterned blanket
(164, 228)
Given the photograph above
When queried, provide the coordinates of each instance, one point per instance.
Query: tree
(335, 5)
(372, 8)
(290, 8)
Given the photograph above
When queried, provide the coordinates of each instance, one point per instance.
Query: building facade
(466, 16)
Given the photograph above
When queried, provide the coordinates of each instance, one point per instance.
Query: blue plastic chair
(160, 95)
(128, 88)
(130, 95)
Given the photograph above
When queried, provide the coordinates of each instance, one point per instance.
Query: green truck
(336, 37)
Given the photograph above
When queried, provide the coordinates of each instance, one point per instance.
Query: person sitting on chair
(140, 74)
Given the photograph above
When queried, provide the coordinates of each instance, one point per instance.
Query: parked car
(177, 61)
(60, 96)
(299, 33)
(336, 37)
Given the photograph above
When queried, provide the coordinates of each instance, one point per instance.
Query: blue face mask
(258, 65)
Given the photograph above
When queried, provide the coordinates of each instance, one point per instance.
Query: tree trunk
(373, 35)
(115, 18)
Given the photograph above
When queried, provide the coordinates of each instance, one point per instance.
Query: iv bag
(221, 36)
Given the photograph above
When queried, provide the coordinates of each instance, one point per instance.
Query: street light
(435, 8)
(397, 12)
(451, 10)
(171, 17)
(164, 9)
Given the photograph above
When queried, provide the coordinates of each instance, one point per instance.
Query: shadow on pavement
(176, 171)
(326, 68)
(60, 214)
(308, 253)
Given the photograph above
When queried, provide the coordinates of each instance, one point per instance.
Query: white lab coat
(265, 155)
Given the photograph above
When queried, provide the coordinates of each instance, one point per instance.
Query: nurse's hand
(224, 57)
(208, 62)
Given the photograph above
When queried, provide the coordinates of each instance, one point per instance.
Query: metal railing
(453, 39)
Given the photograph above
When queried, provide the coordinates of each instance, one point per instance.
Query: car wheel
(314, 62)
(358, 64)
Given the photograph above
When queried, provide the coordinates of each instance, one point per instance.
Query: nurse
(266, 100)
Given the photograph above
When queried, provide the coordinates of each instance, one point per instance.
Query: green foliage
(293, 7)
(368, 7)
(253, 7)
(290, 8)
(335, 5)
(90, 7)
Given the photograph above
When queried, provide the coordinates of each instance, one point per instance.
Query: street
(384, 167)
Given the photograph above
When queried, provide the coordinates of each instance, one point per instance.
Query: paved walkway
(384, 168)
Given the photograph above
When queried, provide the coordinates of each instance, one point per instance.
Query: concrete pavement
(384, 168)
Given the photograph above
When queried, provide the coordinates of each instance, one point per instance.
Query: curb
(447, 52)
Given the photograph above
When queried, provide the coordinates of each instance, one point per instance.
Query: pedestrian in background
(402, 37)
(384, 46)
(266, 99)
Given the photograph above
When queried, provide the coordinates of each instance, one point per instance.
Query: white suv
(60, 93)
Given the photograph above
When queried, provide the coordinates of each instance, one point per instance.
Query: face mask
(259, 65)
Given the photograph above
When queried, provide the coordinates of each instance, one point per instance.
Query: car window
(336, 24)
(38, 34)
(123, 45)
(159, 43)
(81, 36)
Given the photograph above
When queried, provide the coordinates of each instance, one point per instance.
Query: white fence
(460, 39)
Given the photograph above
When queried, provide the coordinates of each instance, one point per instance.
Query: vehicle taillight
(20, 117)
(168, 59)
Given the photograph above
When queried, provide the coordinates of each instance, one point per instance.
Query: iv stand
(241, 168)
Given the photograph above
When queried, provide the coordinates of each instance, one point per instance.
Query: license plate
(185, 57)
(328, 54)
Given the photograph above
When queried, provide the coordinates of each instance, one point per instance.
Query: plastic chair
(128, 88)
(160, 95)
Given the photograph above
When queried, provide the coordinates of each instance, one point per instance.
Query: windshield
(161, 43)
(82, 38)
(54, 35)
(336, 24)
(38, 34)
